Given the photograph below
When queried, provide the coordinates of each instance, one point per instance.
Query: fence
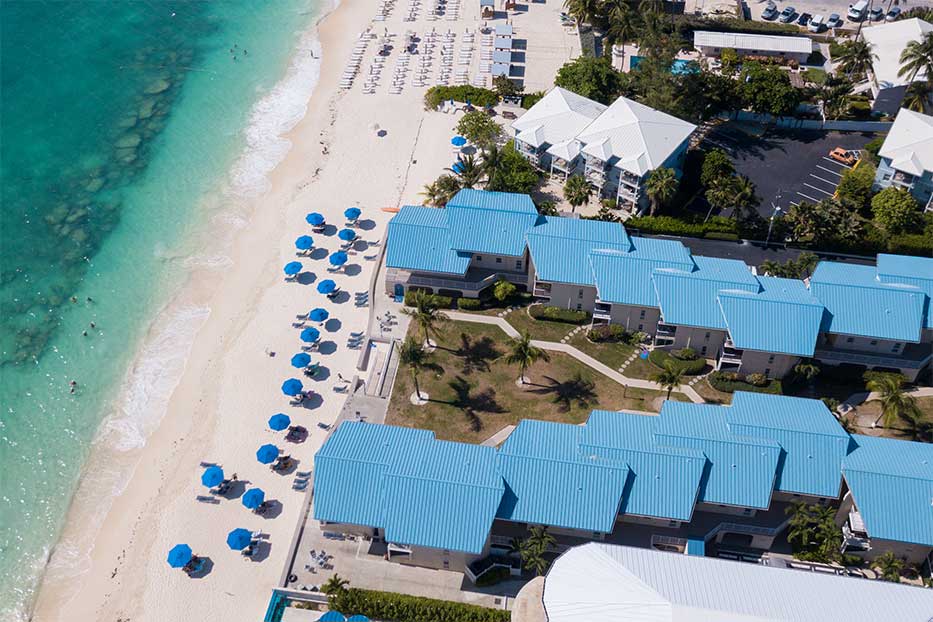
(812, 124)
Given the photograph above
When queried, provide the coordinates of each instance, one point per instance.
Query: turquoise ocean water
(120, 121)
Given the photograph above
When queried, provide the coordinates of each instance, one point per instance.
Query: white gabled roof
(599, 582)
(560, 115)
(567, 150)
(888, 41)
(751, 41)
(642, 138)
(909, 144)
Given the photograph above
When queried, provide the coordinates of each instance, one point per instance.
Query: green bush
(530, 99)
(469, 304)
(729, 382)
(758, 380)
(911, 244)
(694, 228)
(557, 314)
(607, 333)
(403, 608)
(491, 577)
(873, 375)
(437, 95)
(685, 354)
(814, 75)
(659, 358)
(441, 302)
(718, 235)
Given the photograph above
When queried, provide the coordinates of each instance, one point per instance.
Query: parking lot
(787, 167)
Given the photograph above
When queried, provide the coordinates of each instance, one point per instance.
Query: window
(479, 258)
(706, 337)
(770, 359)
(580, 294)
(703, 351)
(896, 347)
(498, 259)
(874, 342)
(641, 327)
(850, 339)
(579, 307)
(747, 511)
(641, 315)
(518, 264)
(768, 372)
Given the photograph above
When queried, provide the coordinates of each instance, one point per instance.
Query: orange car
(849, 158)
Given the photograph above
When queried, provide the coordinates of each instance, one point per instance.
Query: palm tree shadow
(472, 404)
(476, 354)
(577, 390)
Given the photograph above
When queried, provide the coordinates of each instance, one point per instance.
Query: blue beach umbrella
(326, 286)
(352, 213)
(253, 498)
(212, 476)
(267, 453)
(292, 386)
(358, 618)
(310, 334)
(318, 315)
(332, 616)
(292, 268)
(179, 556)
(239, 538)
(279, 422)
(304, 243)
(301, 360)
(314, 219)
(347, 235)
(338, 259)
(458, 141)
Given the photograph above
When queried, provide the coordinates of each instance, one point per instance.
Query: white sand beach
(230, 385)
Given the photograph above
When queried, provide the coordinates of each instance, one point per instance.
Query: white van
(858, 10)
(817, 24)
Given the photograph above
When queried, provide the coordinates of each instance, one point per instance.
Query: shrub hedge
(441, 302)
(557, 314)
(669, 225)
(690, 367)
(729, 382)
(493, 576)
(469, 304)
(607, 333)
(403, 608)
(437, 95)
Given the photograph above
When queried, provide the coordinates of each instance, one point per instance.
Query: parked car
(893, 14)
(804, 19)
(770, 12)
(847, 157)
(834, 21)
(817, 24)
(876, 14)
(508, 114)
(787, 15)
(858, 10)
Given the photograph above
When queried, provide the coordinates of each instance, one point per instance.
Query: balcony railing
(847, 356)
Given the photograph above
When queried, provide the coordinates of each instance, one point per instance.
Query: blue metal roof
(741, 470)
(625, 277)
(490, 231)
(690, 298)
(857, 303)
(782, 317)
(489, 200)
(814, 444)
(560, 247)
(442, 495)
(664, 482)
(916, 271)
(419, 240)
(349, 469)
(892, 484)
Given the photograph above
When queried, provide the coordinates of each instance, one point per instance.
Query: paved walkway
(583, 357)
(499, 437)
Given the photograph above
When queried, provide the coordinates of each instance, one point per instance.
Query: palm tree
(800, 528)
(917, 57)
(468, 171)
(412, 354)
(623, 22)
(523, 354)
(917, 96)
(577, 191)
(441, 190)
(669, 378)
(919, 428)
(425, 314)
(835, 97)
(533, 548)
(334, 585)
(743, 195)
(856, 57)
(661, 186)
(895, 403)
(583, 10)
(807, 370)
(889, 565)
(492, 161)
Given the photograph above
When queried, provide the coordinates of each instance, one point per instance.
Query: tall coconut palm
(583, 11)
(334, 585)
(917, 57)
(469, 172)
(492, 161)
(532, 549)
(835, 96)
(889, 566)
(895, 403)
(425, 314)
(743, 196)
(523, 354)
(918, 96)
(669, 378)
(441, 190)
(856, 57)
(623, 22)
(412, 355)
(577, 191)
(661, 186)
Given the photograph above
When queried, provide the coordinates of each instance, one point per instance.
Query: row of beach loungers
(356, 59)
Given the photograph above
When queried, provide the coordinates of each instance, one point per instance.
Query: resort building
(698, 477)
(888, 42)
(711, 45)
(907, 157)
(598, 582)
(875, 317)
(616, 150)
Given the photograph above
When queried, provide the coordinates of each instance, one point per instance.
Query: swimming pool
(680, 65)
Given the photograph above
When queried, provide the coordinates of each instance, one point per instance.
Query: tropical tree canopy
(895, 210)
(441, 190)
(523, 354)
(425, 314)
(855, 57)
(917, 58)
(669, 378)
(577, 190)
(661, 186)
(479, 128)
(594, 78)
(895, 403)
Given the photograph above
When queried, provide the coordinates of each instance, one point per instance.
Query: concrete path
(583, 357)
(499, 437)
(861, 397)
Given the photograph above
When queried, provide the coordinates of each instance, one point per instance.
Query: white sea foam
(273, 116)
(211, 262)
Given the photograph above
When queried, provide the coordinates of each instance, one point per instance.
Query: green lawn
(870, 411)
(711, 395)
(641, 368)
(543, 330)
(610, 354)
(473, 392)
